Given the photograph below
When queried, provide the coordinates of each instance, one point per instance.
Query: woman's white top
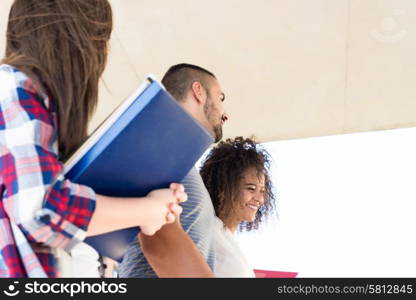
(229, 259)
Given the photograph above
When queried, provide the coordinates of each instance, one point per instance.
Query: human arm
(48, 209)
(172, 253)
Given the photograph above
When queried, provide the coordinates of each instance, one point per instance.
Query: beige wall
(290, 68)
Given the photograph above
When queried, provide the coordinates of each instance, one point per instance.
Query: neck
(232, 225)
(196, 112)
(191, 108)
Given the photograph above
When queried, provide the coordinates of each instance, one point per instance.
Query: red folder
(274, 274)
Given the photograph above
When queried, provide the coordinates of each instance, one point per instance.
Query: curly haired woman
(237, 175)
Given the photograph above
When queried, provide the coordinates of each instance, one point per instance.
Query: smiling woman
(236, 174)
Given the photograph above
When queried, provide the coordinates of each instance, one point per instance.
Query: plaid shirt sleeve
(47, 208)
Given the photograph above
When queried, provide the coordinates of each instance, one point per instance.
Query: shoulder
(19, 93)
(198, 212)
(198, 195)
(193, 178)
(12, 78)
(195, 188)
(18, 85)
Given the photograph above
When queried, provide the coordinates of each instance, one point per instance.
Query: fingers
(176, 209)
(177, 186)
(180, 196)
(170, 218)
(179, 192)
(168, 210)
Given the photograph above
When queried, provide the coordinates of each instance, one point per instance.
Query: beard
(214, 120)
(217, 133)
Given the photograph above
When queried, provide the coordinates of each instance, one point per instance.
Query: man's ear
(198, 92)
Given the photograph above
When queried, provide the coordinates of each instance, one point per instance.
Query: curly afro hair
(223, 169)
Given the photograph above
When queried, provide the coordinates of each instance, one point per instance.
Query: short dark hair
(179, 78)
(223, 169)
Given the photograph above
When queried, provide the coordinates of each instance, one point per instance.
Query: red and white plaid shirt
(40, 211)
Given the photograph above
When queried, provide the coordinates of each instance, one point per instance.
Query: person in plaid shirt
(55, 54)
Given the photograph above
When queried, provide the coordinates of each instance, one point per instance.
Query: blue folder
(152, 142)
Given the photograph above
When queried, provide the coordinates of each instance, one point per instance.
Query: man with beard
(186, 247)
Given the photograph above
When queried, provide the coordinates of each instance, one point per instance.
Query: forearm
(150, 213)
(172, 253)
(113, 214)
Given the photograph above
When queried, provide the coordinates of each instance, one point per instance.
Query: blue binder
(147, 143)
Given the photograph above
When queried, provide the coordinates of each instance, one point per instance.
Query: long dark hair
(62, 45)
(223, 169)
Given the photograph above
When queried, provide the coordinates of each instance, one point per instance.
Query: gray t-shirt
(198, 220)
